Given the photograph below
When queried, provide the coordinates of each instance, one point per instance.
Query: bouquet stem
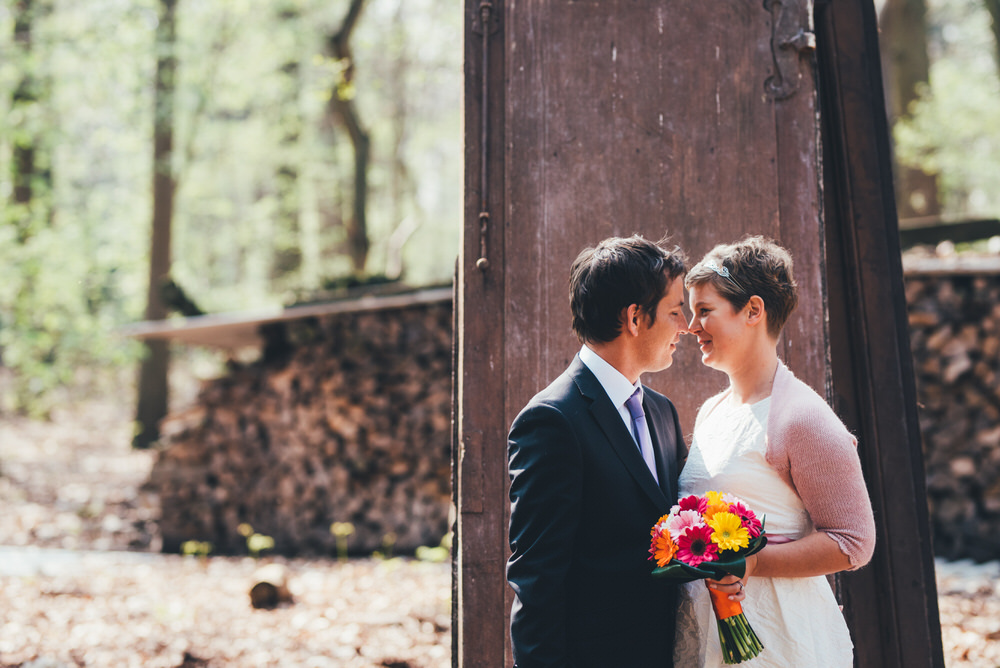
(739, 642)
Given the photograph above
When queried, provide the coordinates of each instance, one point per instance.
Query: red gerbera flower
(747, 517)
(696, 546)
(698, 503)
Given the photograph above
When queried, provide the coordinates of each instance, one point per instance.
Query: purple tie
(641, 430)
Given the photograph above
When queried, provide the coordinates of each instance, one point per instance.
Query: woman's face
(721, 330)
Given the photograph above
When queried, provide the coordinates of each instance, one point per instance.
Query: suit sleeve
(682, 448)
(544, 465)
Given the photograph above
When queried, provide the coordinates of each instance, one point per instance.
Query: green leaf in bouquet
(736, 565)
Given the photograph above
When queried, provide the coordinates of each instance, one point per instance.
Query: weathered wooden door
(586, 119)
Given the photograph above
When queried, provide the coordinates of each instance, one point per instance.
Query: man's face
(658, 340)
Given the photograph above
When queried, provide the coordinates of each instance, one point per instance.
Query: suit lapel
(616, 432)
(664, 447)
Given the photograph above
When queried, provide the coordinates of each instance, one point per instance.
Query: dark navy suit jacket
(582, 506)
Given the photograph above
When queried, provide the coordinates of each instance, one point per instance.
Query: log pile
(955, 339)
(345, 419)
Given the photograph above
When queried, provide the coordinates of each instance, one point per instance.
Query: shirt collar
(617, 386)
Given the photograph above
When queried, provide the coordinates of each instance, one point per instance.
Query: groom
(593, 462)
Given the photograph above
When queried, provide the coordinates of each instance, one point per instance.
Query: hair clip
(724, 272)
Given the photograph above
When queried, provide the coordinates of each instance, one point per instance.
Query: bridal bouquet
(710, 536)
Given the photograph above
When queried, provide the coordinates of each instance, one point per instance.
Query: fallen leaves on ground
(104, 597)
(166, 611)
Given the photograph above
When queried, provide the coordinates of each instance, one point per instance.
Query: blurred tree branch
(343, 107)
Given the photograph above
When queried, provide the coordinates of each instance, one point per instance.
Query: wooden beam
(934, 230)
(891, 605)
(239, 329)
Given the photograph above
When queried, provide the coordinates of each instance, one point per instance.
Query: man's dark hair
(617, 273)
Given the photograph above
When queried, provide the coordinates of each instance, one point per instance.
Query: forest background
(291, 146)
(254, 113)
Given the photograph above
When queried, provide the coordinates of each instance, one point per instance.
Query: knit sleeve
(824, 468)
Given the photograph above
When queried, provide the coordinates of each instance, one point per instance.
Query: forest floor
(82, 582)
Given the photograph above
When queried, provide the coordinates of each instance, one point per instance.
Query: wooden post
(891, 605)
(586, 120)
(480, 549)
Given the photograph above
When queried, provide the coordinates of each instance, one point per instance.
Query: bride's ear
(756, 313)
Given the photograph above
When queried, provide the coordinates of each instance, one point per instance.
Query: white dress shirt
(617, 386)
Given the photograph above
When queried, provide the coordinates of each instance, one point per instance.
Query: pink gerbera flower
(682, 521)
(696, 503)
(696, 546)
(747, 517)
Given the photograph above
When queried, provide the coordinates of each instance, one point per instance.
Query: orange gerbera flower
(716, 504)
(715, 508)
(659, 525)
(663, 548)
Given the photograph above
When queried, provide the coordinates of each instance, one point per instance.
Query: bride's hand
(730, 585)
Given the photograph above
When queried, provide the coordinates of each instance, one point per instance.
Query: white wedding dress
(797, 619)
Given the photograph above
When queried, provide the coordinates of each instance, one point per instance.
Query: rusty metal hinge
(791, 35)
(485, 23)
(486, 16)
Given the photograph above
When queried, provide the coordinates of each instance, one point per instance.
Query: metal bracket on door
(791, 35)
(485, 23)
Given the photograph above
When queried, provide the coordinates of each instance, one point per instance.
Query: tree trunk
(342, 106)
(31, 173)
(993, 7)
(153, 389)
(31, 186)
(400, 181)
(289, 250)
(26, 94)
(907, 66)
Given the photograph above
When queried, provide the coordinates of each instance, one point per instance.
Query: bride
(772, 441)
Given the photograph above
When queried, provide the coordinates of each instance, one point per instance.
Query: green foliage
(342, 531)
(388, 545)
(256, 542)
(954, 130)
(438, 554)
(264, 177)
(196, 548)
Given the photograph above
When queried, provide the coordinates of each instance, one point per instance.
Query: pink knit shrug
(812, 450)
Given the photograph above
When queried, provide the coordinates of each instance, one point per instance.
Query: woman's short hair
(617, 273)
(752, 266)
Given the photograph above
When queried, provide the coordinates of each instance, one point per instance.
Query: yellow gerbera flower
(715, 504)
(714, 498)
(728, 531)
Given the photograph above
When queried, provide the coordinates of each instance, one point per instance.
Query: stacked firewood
(955, 339)
(345, 420)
